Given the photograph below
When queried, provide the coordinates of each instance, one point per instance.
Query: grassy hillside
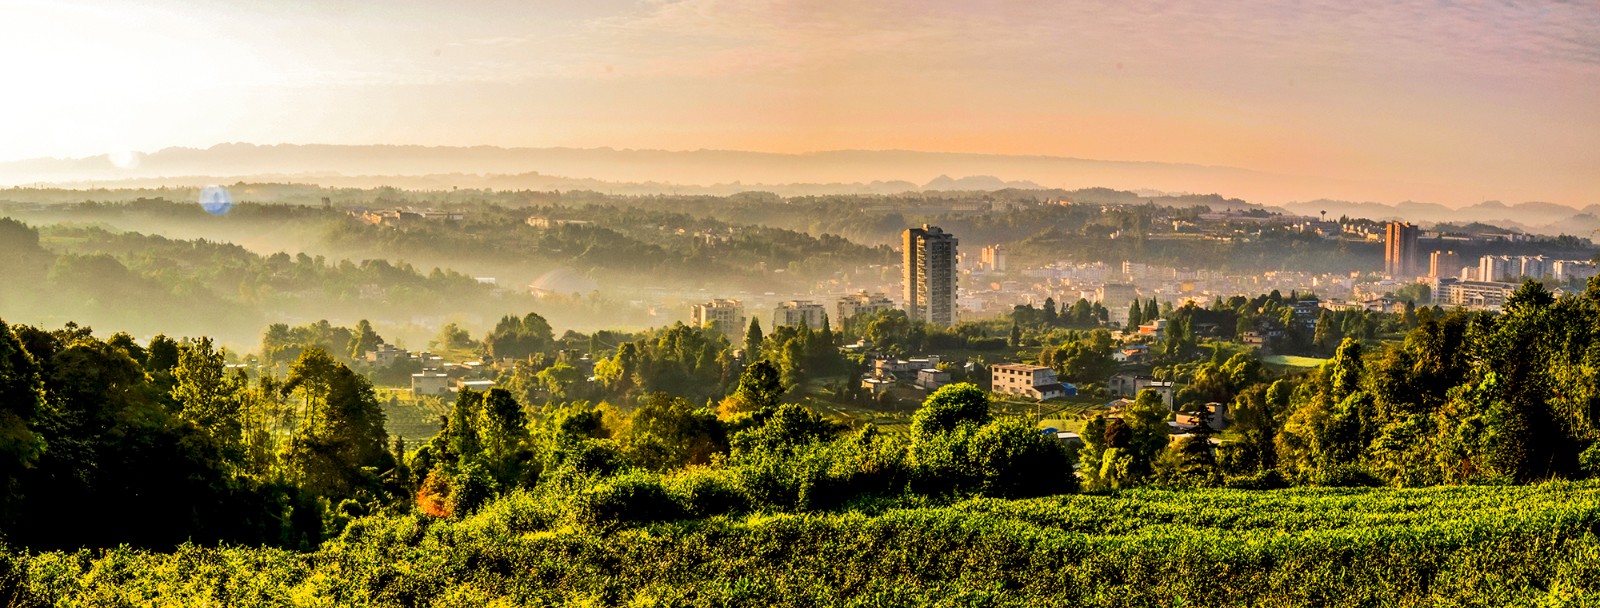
(1447, 546)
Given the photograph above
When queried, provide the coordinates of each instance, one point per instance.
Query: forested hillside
(623, 487)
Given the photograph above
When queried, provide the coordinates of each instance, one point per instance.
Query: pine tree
(752, 341)
(364, 341)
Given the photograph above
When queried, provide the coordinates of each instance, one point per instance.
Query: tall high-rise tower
(929, 274)
(1400, 250)
(1444, 264)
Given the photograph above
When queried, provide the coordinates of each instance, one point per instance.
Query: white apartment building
(1566, 270)
(861, 303)
(726, 316)
(791, 313)
(1023, 380)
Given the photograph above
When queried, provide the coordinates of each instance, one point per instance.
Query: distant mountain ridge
(1534, 216)
(682, 168)
(724, 172)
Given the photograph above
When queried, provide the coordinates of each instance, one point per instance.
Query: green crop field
(1445, 546)
(1293, 361)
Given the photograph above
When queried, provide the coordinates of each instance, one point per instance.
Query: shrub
(703, 492)
(1347, 476)
(952, 406)
(469, 489)
(1014, 460)
(1589, 460)
(634, 497)
(1269, 479)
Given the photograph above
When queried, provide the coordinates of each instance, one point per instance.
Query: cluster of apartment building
(928, 278)
(992, 258)
(728, 316)
(1515, 267)
(1401, 260)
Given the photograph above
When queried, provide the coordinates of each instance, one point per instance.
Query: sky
(1448, 102)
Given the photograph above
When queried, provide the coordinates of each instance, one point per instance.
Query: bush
(634, 497)
(952, 406)
(703, 492)
(1013, 460)
(1269, 479)
(1347, 476)
(469, 489)
(1589, 460)
(1004, 458)
(1446, 546)
(940, 464)
(783, 482)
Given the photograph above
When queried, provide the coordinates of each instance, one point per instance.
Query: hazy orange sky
(1496, 100)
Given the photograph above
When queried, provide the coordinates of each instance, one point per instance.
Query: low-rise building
(932, 378)
(1023, 380)
(876, 386)
(1134, 353)
(1216, 414)
(385, 355)
(1156, 329)
(1472, 294)
(430, 383)
(1129, 385)
(903, 368)
(539, 221)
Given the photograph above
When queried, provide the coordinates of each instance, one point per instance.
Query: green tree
(752, 340)
(452, 338)
(1128, 460)
(559, 379)
(207, 396)
(22, 399)
(341, 448)
(1346, 368)
(760, 388)
(162, 354)
(520, 338)
(788, 428)
(1013, 460)
(952, 406)
(503, 432)
(667, 432)
(365, 340)
(461, 427)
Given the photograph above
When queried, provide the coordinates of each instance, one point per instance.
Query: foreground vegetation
(1445, 546)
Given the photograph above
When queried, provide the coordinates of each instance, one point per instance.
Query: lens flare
(216, 200)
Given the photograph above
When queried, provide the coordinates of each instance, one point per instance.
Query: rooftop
(1020, 367)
